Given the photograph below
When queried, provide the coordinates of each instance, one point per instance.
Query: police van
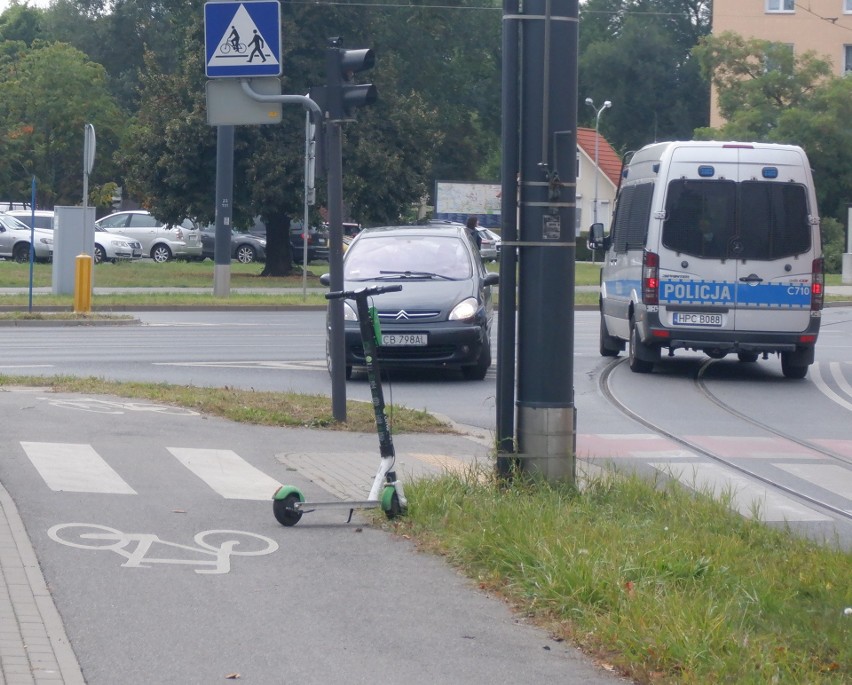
(714, 247)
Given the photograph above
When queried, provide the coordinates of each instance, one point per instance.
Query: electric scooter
(289, 503)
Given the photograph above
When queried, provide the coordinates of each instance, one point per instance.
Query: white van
(715, 247)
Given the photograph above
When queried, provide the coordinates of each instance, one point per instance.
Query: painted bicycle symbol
(100, 406)
(221, 545)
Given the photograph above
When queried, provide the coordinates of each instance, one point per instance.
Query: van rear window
(719, 219)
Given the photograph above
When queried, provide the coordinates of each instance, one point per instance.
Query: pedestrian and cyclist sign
(242, 39)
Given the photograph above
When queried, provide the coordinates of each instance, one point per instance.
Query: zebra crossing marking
(226, 472)
(748, 498)
(68, 467)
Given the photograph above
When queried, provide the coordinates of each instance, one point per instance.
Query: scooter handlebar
(362, 292)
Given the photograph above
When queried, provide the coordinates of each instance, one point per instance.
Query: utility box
(73, 235)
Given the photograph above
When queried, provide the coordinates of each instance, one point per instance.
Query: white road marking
(828, 392)
(67, 467)
(829, 477)
(285, 365)
(227, 473)
(747, 498)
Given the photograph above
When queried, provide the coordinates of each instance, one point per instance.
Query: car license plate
(696, 319)
(404, 339)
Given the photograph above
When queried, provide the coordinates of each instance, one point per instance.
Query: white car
(15, 240)
(109, 247)
(160, 241)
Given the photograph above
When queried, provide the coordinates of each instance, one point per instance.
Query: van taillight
(817, 285)
(650, 278)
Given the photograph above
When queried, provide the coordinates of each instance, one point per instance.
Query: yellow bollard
(83, 284)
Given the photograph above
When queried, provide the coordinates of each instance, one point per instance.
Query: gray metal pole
(545, 389)
(506, 329)
(224, 210)
(337, 351)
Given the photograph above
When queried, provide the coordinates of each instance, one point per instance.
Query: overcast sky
(4, 4)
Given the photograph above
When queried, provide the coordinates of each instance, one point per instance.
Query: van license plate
(695, 319)
(404, 339)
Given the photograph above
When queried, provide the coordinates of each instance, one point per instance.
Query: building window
(847, 6)
(847, 59)
(783, 5)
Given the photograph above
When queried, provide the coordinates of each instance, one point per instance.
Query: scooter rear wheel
(285, 510)
(390, 502)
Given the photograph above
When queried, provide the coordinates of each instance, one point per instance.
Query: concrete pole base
(547, 443)
(846, 277)
(222, 280)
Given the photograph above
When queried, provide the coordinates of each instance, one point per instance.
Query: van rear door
(774, 246)
(698, 279)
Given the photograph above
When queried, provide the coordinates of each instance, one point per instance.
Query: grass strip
(660, 583)
(245, 406)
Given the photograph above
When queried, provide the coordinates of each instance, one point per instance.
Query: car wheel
(100, 255)
(161, 253)
(477, 371)
(747, 356)
(791, 369)
(246, 254)
(21, 253)
(637, 365)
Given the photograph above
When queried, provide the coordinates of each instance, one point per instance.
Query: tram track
(604, 383)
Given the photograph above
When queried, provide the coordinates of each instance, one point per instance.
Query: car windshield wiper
(415, 274)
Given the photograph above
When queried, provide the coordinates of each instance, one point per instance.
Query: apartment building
(824, 26)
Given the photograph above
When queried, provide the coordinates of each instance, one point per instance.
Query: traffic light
(343, 96)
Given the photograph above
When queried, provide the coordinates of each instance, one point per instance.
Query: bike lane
(167, 576)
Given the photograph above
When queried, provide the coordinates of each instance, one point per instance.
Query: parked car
(442, 316)
(43, 217)
(317, 242)
(109, 247)
(115, 247)
(160, 241)
(15, 241)
(489, 248)
(245, 247)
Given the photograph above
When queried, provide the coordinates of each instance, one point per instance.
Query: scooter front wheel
(285, 510)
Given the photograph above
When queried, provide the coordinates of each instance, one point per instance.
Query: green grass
(664, 585)
(245, 406)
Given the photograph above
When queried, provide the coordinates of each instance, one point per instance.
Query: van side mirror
(597, 240)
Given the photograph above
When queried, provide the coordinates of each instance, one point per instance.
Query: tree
(637, 54)
(756, 80)
(767, 93)
(47, 95)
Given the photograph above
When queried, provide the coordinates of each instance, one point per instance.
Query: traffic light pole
(337, 352)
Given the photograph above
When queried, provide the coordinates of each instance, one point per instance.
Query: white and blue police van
(714, 247)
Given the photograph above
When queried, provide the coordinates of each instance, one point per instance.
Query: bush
(833, 245)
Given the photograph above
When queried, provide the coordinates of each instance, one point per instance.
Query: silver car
(161, 242)
(109, 247)
(15, 240)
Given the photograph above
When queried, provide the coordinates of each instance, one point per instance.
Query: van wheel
(747, 356)
(791, 370)
(609, 346)
(635, 349)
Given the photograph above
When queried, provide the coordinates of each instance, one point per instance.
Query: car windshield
(397, 256)
(12, 222)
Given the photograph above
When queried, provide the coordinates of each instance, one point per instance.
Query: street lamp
(606, 105)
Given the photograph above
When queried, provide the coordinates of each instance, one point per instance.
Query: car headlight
(349, 314)
(119, 243)
(464, 310)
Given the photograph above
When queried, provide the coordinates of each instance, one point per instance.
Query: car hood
(419, 293)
